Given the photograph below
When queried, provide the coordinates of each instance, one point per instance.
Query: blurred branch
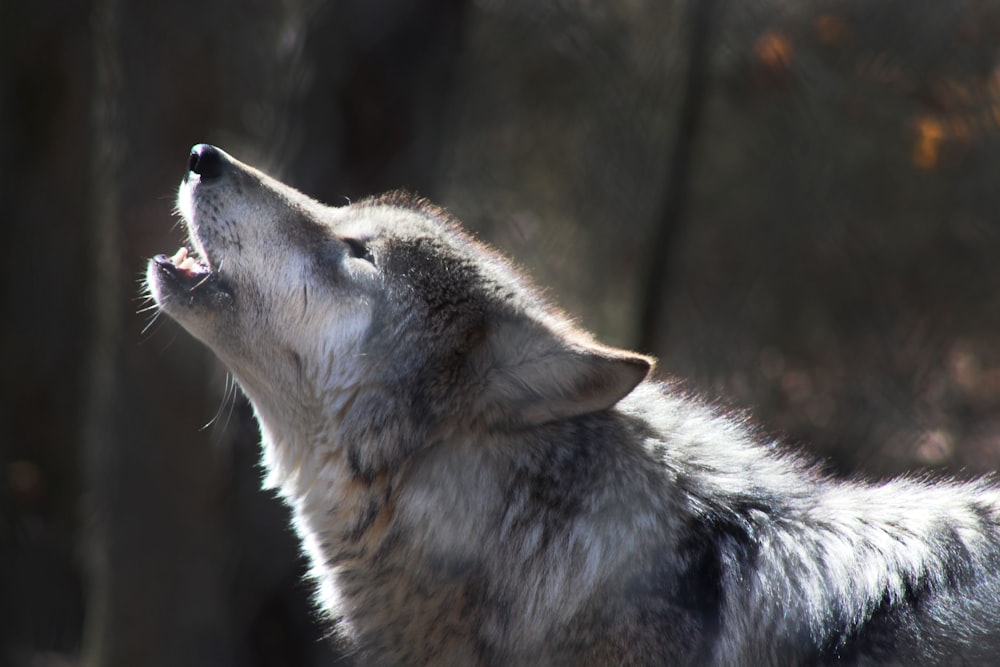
(675, 194)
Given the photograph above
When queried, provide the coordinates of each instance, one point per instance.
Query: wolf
(477, 481)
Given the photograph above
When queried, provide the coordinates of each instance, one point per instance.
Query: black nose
(206, 161)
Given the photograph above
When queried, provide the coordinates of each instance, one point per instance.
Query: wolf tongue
(179, 257)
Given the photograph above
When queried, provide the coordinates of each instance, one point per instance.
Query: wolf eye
(359, 250)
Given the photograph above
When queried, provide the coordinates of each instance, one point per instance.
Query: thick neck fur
(306, 458)
(652, 482)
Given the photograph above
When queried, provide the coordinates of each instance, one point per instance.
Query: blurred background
(793, 205)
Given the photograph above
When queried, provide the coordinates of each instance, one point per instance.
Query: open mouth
(186, 268)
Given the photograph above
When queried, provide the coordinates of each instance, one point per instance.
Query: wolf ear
(536, 375)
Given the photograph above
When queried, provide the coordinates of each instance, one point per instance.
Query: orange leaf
(773, 49)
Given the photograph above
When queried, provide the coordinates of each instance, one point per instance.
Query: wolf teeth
(187, 263)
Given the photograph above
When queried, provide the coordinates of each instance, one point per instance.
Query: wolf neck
(301, 434)
(339, 517)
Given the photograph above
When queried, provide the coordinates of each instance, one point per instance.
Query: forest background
(793, 205)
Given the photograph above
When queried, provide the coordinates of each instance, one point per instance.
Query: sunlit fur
(478, 482)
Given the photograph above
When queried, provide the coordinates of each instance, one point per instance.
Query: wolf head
(380, 319)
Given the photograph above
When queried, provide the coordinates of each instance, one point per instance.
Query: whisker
(199, 283)
(233, 398)
(169, 344)
(228, 396)
(203, 280)
(151, 322)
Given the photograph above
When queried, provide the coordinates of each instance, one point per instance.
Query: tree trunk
(675, 194)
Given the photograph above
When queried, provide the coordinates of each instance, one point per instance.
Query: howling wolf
(479, 482)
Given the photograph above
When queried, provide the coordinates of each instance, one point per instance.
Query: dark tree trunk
(102, 379)
(154, 516)
(659, 267)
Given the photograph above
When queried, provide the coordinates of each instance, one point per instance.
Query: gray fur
(478, 482)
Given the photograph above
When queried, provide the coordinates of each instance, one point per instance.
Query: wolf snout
(208, 162)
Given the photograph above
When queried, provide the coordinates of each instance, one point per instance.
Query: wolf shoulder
(756, 557)
(665, 531)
